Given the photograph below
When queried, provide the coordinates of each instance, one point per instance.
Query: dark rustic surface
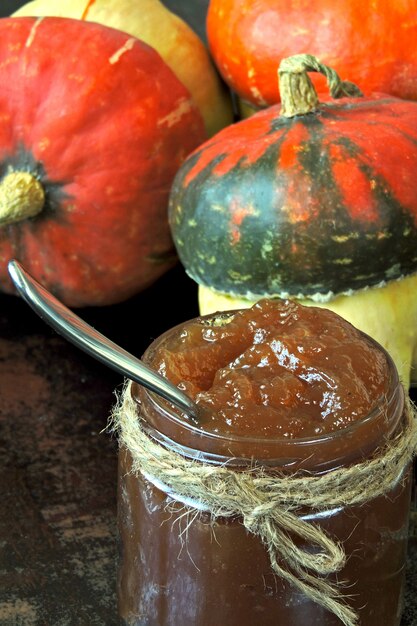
(58, 478)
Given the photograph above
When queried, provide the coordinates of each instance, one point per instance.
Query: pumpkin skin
(101, 124)
(371, 43)
(311, 206)
(150, 21)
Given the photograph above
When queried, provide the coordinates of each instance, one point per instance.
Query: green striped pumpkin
(318, 201)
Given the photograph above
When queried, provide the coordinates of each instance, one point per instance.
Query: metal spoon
(84, 336)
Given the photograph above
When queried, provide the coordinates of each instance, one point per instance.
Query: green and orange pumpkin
(316, 203)
(93, 127)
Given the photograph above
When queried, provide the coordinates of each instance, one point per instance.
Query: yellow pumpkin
(176, 42)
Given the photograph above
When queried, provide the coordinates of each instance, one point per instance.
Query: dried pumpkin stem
(21, 196)
(298, 95)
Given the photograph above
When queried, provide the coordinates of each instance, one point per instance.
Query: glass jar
(179, 567)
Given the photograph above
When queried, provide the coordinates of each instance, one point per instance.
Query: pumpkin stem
(21, 196)
(298, 95)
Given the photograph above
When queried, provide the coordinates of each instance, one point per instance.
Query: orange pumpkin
(93, 127)
(151, 22)
(371, 43)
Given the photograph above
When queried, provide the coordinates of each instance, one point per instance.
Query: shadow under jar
(180, 567)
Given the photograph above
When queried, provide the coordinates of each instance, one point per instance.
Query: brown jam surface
(276, 370)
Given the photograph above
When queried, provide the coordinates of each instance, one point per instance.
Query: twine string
(271, 503)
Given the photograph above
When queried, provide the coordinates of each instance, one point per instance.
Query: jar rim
(329, 436)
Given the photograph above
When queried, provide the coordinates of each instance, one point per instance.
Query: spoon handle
(84, 336)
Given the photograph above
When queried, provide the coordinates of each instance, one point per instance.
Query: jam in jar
(290, 389)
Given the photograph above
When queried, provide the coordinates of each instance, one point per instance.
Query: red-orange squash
(93, 127)
(371, 43)
(151, 22)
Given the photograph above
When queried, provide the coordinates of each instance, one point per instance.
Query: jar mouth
(170, 414)
(172, 427)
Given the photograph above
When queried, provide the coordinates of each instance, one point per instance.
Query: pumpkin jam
(287, 388)
(276, 370)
